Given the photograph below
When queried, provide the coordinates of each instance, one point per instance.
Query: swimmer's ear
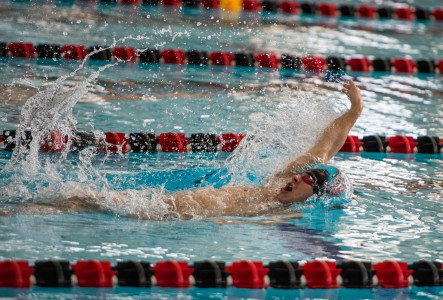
(336, 190)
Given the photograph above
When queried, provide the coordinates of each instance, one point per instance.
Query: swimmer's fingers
(349, 87)
(352, 84)
(346, 88)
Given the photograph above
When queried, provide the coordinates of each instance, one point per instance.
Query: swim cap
(319, 180)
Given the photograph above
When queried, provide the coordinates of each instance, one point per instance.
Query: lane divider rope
(142, 142)
(222, 58)
(288, 7)
(317, 274)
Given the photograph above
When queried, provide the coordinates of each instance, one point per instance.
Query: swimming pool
(395, 214)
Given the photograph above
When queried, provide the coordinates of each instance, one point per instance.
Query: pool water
(395, 212)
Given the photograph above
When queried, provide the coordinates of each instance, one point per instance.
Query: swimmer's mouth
(288, 188)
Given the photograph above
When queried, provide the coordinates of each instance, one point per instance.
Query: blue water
(396, 211)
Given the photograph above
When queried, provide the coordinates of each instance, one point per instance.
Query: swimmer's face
(297, 190)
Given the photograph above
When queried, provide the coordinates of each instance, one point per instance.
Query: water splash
(289, 132)
(32, 175)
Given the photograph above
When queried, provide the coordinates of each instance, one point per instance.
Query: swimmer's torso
(206, 202)
(227, 201)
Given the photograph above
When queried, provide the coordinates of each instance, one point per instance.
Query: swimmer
(312, 181)
(300, 181)
(296, 183)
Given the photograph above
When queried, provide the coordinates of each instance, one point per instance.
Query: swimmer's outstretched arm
(333, 137)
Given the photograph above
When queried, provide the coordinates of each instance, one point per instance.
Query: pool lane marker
(288, 7)
(311, 63)
(142, 142)
(317, 274)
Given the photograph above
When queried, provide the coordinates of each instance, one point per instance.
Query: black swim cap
(319, 180)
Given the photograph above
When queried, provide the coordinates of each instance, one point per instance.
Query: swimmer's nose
(296, 178)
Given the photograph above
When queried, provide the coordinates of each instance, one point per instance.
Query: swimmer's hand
(353, 92)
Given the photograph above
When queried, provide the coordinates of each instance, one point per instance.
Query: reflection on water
(398, 208)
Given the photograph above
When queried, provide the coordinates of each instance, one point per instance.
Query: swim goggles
(306, 178)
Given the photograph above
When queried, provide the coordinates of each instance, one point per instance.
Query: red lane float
(214, 4)
(173, 56)
(221, 58)
(403, 65)
(94, 273)
(393, 274)
(56, 142)
(313, 63)
(173, 274)
(440, 66)
(321, 274)
(289, 7)
(404, 13)
(248, 274)
(73, 52)
(267, 60)
(367, 11)
(15, 274)
(171, 2)
(230, 141)
(351, 145)
(20, 49)
(327, 9)
(124, 54)
(173, 142)
(116, 142)
(438, 14)
(359, 64)
(251, 5)
(402, 144)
